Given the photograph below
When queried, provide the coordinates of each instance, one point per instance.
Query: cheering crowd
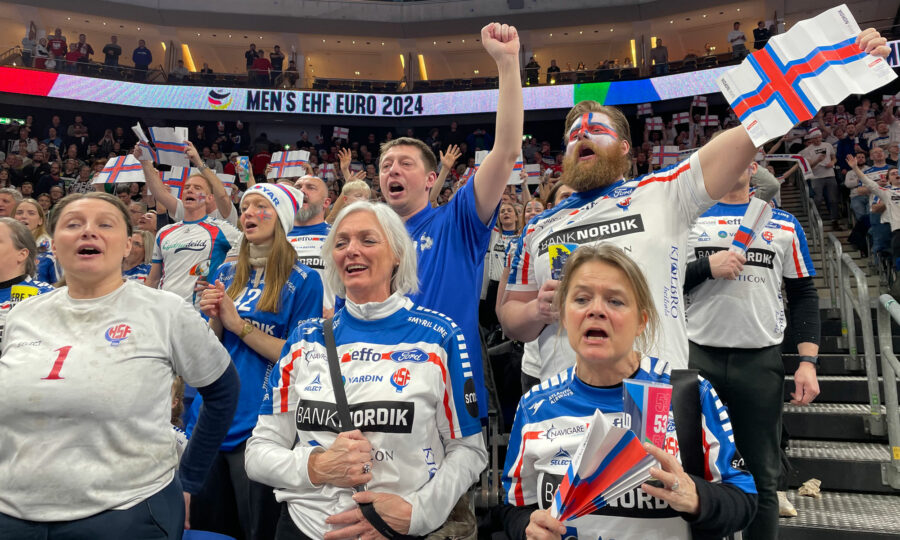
(329, 327)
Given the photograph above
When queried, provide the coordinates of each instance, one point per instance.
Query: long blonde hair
(278, 269)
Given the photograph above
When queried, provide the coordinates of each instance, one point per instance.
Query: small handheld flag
(644, 109)
(699, 101)
(755, 218)
(655, 123)
(288, 164)
(341, 133)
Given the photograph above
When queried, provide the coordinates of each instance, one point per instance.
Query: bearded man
(310, 230)
(649, 217)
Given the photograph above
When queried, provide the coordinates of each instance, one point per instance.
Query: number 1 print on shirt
(57, 365)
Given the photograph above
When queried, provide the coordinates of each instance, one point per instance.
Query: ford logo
(412, 355)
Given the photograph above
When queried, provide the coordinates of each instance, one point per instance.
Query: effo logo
(117, 334)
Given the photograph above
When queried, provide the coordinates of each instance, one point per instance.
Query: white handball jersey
(551, 422)
(410, 391)
(307, 241)
(85, 398)
(891, 197)
(748, 312)
(190, 250)
(650, 218)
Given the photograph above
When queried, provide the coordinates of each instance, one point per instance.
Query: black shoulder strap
(337, 382)
(343, 411)
(686, 407)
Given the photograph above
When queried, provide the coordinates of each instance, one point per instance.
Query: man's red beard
(607, 167)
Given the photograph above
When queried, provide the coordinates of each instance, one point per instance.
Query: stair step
(842, 516)
(840, 465)
(834, 421)
(837, 388)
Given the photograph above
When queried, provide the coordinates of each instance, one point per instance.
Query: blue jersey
(138, 273)
(48, 271)
(14, 291)
(301, 299)
(551, 422)
(451, 242)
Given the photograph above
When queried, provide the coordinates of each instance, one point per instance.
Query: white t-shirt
(747, 312)
(189, 250)
(232, 217)
(891, 198)
(824, 168)
(649, 217)
(85, 398)
(736, 37)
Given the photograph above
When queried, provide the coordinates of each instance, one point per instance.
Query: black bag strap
(343, 411)
(686, 407)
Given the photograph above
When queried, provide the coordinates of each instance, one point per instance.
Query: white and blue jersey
(307, 241)
(747, 312)
(301, 299)
(192, 250)
(14, 291)
(451, 242)
(650, 218)
(138, 273)
(410, 390)
(551, 422)
(48, 270)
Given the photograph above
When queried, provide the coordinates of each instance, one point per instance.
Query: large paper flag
(681, 118)
(644, 109)
(699, 101)
(341, 132)
(120, 170)
(664, 156)
(655, 123)
(533, 171)
(515, 177)
(148, 154)
(796, 158)
(609, 463)
(816, 63)
(176, 177)
(170, 144)
(755, 218)
(288, 164)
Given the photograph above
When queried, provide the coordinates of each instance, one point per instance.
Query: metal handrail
(832, 260)
(817, 233)
(9, 53)
(861, 305)
(890, 367)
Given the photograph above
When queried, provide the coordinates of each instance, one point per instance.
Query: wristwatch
(245, 331)
(814, 360)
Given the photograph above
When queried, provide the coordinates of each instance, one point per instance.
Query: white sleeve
(179, 211)
(197, 354)
(464, 460)
(268, 456)
(691, 194)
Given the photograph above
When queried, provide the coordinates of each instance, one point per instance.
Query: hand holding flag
(171, 145)
(147, 153)
(288, 164)
(755, 218)
(121, 169)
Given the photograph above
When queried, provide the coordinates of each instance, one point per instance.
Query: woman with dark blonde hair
(17, 266)
(30, 213)
(252, 305)
(607, 312)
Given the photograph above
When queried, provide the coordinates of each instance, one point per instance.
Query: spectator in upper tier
(251, 55)
(142, 57)
(737, 40)
(291, 74)
(72, 58)
(260, 69)
(29, 42)
(84, 48)
(56, 45)
(41, 54)
(276, 58)
(551, 72)
(180, 72)
(531, 71)
(207, 74)
(761, 35)
(660, 57)
(112, 51)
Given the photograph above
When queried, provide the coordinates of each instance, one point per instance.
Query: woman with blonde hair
(31, 214)
(253, 304)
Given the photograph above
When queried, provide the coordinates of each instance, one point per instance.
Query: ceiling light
(139, 27)
(354, 42)
(356, 72)
(382, 44)
(104, 24)
(476, 72)
(580, 32)
(704, 15)
(434, 43)
(551, 34)
(610, 29)
(68, 18)
(463, 41)
(671, 22)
